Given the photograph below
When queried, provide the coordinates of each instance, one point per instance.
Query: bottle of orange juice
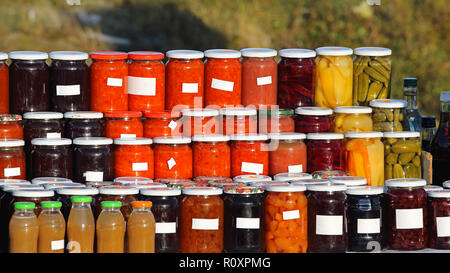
(81, 226)
(141, 228)
(52, 228)
(23, 229)
(110, 228)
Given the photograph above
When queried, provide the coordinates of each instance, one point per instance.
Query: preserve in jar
(243, 224)
(200, 121)
(211, 155)
(287, 153)
(146, 81)
(28, 82)
(350, 181)
(249, 155)
(388, 115)
(371, 74)
(109, 72)
(4, 83)
(173, 157)
(334, 77)
(135, 180)
(407, 227)
(84, 124)
(126, 195)
(81, 226)
(93, 159)
(327, 218)
(34, 195)
(133, 157)
(276, 121)
(259, 77)
(11, 126)
(12, 159)
(352, 119)
(70, 83)
(328, 174)
(110, 228)
(439, 219)
(286, 219)
(238, 120)
(325, 151)
(52, 228)
(162, 124)
(42, 125)
(64, 195)
(202, 220)
(23, 229)
(184, 79)
(313, 119)
(140, 228)
(124, 124)
(51, 157)
(291, 177)
(402, 155)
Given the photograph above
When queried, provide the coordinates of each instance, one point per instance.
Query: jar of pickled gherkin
(388, 115)
(402, 155)
(352, 119)
(371, 74)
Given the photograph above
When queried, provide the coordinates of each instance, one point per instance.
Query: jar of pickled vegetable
(12, 159)
(352, 119)
(313, 120)
(325, 151)
(51, 157)
(200, 122)
(439, 219)
(287, 153)
(334, 77)
(291, 177)
(402, 155)
(84, 124)
(202, 220)
(249, 155)
(239, 120)
(133, 157)
(173, 157)
(276, 121)
(126, 195)
(11, 126)
(124, 124)
(4, 83)
(162, 124)
(371, 74)
(388, 115)
(211, 155)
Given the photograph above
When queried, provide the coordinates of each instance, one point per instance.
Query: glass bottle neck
(445, 112)
(81, 205)
(412, 101)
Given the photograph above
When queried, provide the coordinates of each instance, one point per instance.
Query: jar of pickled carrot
(12, 159)
(4, 84)
(286, 219)
(313, 119)
(146, 81)
(124, 124)
(276, 121)
(133, 157)
(109, 71)
(249, 155)
(200, 121)
(173, 157)
(184, 79)
(287, 153)
(223, 77)
(211, 155)
(238, 120)
(11, 126)
(161, 124)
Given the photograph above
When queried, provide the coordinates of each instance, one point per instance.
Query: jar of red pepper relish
(259, 77)
(223, 77)
(249, 155)
(146, 81)
(124, 124)
(184, 79)
(211, 155)
(287, 153)
(4, 84)
(276, 121)
(161, 124)
(12, 159)
(238, 120)
(325, 151)
(439, 219)
(313, 119)
(133, 157)
(296, 75)
(200, 121)
(109, 71)
(173, 157)
(11, 126)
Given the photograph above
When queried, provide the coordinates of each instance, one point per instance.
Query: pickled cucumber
(402, 158)
(405, 158)
(391, 158)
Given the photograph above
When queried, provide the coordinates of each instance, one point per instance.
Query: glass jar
(327, 218)
(133, 157)
(438, 219)
(12, 159)
(56, 186)
(223, 77)
(135, 180)
(244, 220)
(364, 156)
(124, 124)
(212, 179)
(334, 77)
(48, 180)
(371, 74)
(238, 120)
(328, 174)
(173, 157)
(28, 82)
(165, 208)
(51, 157)
(162, 124)
(109, 72)
(325, 151)
(98, 184)
(70, 88)
(84, 124)
(349, 181)
(202, 220)
(406, 214)
(42, 125)
(35, 196)
(276, 121)
(287, 153)
(388, 115)
(184, 79)
(291, 177)
(249, 178)
(126, 195)
(296, 78)
(93, 159)
(64, 195)
(249, 155)
(181, 184)
(200, 122)
(146, 81)
(313, 120)
(211, 155)
(402, 153)
(11, 125)
(352, 119)
(4, 84)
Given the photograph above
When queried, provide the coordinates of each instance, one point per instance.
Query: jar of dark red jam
(313, 119)
(42, 125)
(325, 151)
(51, 157)
(84, 124)
(439, 219)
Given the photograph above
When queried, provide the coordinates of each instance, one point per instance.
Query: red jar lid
(145, 55)
(162, 114)
(123, 114)
(108, 55)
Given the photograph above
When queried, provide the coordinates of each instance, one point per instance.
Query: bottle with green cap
(52, 228)
(23, 229)
(81, 226)
(111, 228)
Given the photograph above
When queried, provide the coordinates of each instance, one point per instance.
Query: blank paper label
(295, 168)
(443, 226)
(368, 226)
(252, 167)
(172, 125)
(68, 90)
(114, 82)
(53, 135)
(409, 218)
(264, 80)
(291, 214)
(140, 166)
(141, 86)
(57, 245)
(247, 223)
(222, 85)
(11, 171)
(170, 227)
(127, 135)
(93, 176)
(171, 162)
(189, 88)
(205, 224)
(329, 224)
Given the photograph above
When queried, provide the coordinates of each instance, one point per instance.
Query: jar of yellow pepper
(352, 119)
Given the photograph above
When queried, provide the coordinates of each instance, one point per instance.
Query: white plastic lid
(51, 141)
(210, 138)
(445, 193)
(429, 188)
(18, 187)
(92, 141)
(251, 178)
(353, 110)
(287, 136)
(367, 190)
(405, 182)
(3, 56)
(202, 191)
(132, 179)
(33, 193)
(222, 53)
(446, 184)
(314, 111)
(238, 111)
(312, 181)
(200, 112)
(184, 54)
(54, 186)
(45, 180)
(77, 191)
(364, 135)
(349, 181)
(149, 185)
(334, 51)
(297, 53)
(258, 52)
(4, 143)
(133, 141)
(43, 115)
(372, 51)
(249, 137)
(172, 140)
(291, 176)
(324, 136)
(11, 181)
(286, 188)
(118, 190)
(404, 134)
(68, 55)
(161, 192)
(28, 55)
(330, 187)
(445, 96)
(388, 103)
(83, 115)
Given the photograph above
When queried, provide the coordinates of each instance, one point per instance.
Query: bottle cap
(51, 204)
(445, 96)
(24, 205)
(81, 199)
(111, 204)
(141, 204)
(410, 82)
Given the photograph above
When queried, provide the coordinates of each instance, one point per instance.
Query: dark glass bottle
(440, 148)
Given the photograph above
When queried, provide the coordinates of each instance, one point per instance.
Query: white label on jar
(93, 176)
(247, 223)
(127, 135)
(141, 86)
(140, 166)
(295, 168)
(171, 162)
(11, 171)
(252, 167)
(329, 224)
(291, 214)
(53, 135)
(172, 125)
(264, 80)
(205, 224)
(57, 245)
(368, 226)
(409, 218)
(222, 85)
(443, 226)
(114, 82)
(68, 90)
(191, 88)
(170, 227)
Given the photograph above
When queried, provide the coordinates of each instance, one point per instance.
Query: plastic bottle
(52, 228)
(81, 226)
(23, 229)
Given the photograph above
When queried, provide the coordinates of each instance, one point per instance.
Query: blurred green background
(417, 31)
